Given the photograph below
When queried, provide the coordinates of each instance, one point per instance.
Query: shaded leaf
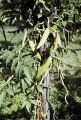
(28, 74)
(14, 63)
(23, 85)
(19, 65)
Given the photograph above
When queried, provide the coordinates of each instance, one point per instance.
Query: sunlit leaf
(24, 39)
(32, 45)
(44, 67)
(28, 106)
(2, 97)
(38, 56)
(57, 41)
(44, 38)
(53, 28)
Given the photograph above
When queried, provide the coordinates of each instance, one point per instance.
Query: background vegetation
(40, 40)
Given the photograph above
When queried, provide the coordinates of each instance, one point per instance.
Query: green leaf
(38, 56)
(27, 81)
(5, 54)
(58, 39)
(14, 63)
(2, 97)
(10, 91)
(28, 106)
(44, 38)
(14, 107)
(64, 23)
(57, 42)
(28, 74)
(24, 86)
(40, 89)
(24, 103)
(19, 65)
(29, 60)
(44, 67)
(10, 57)
(53, 28)
(32, 45)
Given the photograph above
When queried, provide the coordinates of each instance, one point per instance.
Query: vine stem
(67, 92)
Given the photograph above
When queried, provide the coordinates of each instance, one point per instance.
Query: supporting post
(46, 96)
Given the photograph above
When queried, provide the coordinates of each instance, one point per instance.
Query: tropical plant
(39, 37)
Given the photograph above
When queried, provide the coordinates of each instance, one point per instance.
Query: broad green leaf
(14, 63)
(5, 54)
(9, 29)
(57, 42)
(14, 107)
(24, 103)
(28, 106)
(44, 38)
(44, 67)
(24, 86)
(19, 65)
(27, 81)
(10, 57)
(29, 60)
(20, 71)
(32, 45)
(28, 75)
(10, 91)
(2, 97)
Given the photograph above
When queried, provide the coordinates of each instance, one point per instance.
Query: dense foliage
(37, 36)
